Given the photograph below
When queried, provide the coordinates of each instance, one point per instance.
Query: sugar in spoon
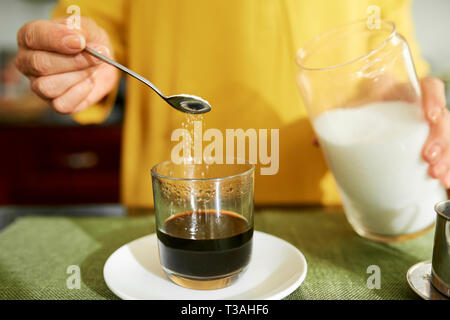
(182, 102)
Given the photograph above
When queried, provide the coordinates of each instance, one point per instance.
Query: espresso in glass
(205, 243)
(204, 225)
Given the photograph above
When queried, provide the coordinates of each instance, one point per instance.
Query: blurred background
(46, 158)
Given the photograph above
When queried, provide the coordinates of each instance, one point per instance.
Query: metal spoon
(182, 102)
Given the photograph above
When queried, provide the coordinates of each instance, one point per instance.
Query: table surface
(36, 251)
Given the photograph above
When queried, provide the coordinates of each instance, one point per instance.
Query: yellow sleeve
(400, 12)
(111, 17)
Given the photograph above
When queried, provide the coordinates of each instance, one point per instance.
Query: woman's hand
(50, 55)
(436, 150)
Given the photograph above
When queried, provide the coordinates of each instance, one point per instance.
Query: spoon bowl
(189, 104)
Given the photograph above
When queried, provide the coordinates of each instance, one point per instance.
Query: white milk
(374, 152)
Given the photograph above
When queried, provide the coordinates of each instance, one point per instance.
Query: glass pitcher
(363, 98)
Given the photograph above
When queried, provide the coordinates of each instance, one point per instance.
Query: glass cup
(361, 91)
(204, 221)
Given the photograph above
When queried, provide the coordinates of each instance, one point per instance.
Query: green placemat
(35, 253)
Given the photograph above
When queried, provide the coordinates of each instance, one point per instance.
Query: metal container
(440, 271)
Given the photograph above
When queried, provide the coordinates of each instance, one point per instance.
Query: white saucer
(276, 269)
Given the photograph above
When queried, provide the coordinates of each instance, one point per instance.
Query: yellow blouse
(240, 56)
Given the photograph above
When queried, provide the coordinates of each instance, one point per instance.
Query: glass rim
(323, 35)
(241, 174)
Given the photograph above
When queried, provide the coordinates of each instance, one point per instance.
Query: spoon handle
(124, 69)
